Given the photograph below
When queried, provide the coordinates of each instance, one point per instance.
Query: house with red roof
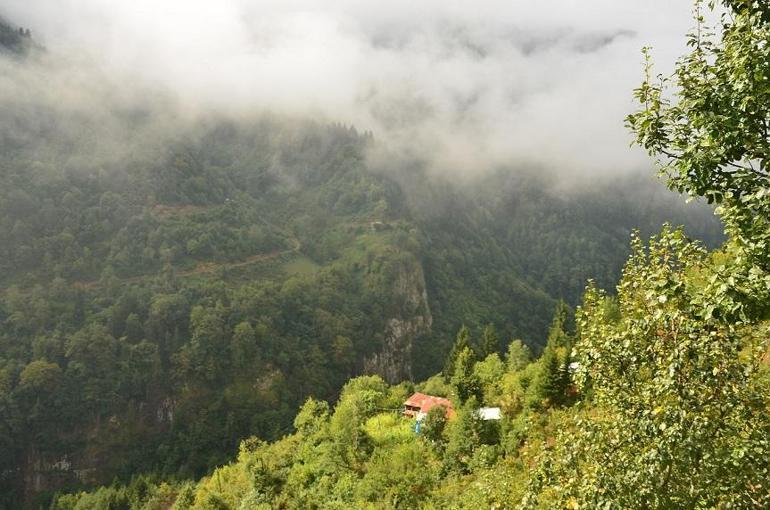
(418, 405)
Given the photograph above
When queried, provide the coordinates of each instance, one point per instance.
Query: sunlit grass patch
(389, 428)
(300, 266)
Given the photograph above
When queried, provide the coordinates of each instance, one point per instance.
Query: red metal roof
(425, 403)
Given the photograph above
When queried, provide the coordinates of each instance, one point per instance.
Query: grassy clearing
(299, 265)
(389, 428)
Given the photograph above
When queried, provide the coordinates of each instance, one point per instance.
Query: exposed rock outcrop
(411, 319)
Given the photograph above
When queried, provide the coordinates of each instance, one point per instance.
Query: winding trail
(209, 267)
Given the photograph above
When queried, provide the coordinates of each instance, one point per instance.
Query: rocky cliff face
(75, 463)
(411, 319)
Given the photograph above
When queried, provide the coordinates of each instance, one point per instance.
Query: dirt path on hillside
(209, 267)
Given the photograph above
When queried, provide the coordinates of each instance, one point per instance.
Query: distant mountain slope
(170, 286)
(505, 248)
(198, 297)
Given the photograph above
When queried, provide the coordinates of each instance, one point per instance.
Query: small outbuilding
(489, 413)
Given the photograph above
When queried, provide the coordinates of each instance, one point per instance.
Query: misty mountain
(172, 282)
(193, 292)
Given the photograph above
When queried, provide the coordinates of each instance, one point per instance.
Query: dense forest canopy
(175, 286)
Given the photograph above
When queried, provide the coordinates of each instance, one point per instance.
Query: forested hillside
(144, 306)
(657, 399)
(173, 284)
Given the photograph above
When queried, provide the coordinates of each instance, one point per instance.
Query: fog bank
(466, 88)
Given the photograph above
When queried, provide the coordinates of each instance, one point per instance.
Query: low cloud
(465, 88)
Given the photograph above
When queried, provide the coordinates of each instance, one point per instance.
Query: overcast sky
(476, 85)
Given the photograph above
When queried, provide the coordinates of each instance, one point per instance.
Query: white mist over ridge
(467, 87)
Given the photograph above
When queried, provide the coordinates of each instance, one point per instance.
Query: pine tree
(554, 375)
(489, 341)
(551, 383)
(464, 380)
(557, 335)
(462, 341)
